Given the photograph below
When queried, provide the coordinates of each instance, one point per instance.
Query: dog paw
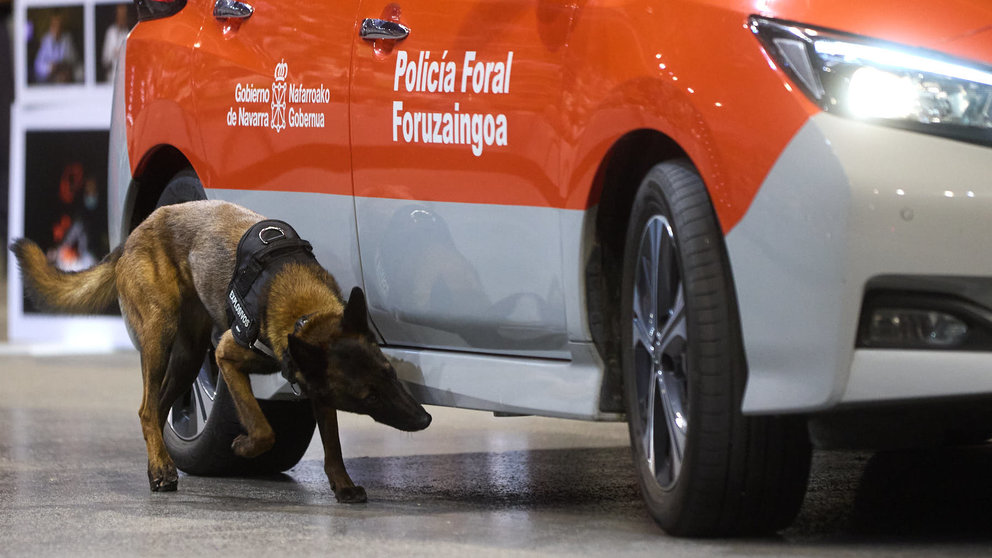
(247, 447)
(351, 495)
(166, 482)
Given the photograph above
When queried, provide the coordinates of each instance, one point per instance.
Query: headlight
(882, 82)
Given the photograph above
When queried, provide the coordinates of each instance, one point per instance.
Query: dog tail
(81, 292)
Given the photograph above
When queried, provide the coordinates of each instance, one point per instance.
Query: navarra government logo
(279, 97)
(291, 105)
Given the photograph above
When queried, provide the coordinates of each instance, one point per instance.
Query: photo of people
(113, 22)
(65, 175)
(54, 38)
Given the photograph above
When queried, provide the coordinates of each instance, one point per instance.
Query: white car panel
(848, 202)
(460, 276)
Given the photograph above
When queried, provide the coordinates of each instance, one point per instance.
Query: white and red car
(742, 225)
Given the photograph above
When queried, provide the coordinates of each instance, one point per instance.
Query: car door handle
(232, 9)
(373, 29)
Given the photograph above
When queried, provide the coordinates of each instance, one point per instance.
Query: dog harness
(264, 249)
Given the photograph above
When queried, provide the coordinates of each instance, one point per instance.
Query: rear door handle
(232, 9)
(373, 29)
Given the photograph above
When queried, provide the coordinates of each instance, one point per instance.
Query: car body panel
(564, 389)
(847, 203)
(118, 160)
(289, 101)
(675, 81)
(465, 276)
(887, 375)
(488, 68)
(461, 117)
(158, 89)
(910, 24)
(787, 256)
(478, 259)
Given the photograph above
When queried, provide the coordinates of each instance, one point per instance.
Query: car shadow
(936, 493)
(919, 496)
(895, 497)
(531, 479)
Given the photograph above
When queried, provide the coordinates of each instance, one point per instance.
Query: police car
(746, 228)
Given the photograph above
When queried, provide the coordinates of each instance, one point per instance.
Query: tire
(704, 469)
(202, 423)
(183, 187)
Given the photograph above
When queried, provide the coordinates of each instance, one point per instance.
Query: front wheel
(704, 468)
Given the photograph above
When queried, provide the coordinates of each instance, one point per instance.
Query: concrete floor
(72, 483)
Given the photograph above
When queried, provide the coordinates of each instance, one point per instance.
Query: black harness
(264, 249)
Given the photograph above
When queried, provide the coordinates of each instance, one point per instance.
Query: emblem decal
(286, 103)
(279, 96)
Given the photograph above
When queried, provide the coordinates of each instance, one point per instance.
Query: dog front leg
(231, 359)
(344, 489)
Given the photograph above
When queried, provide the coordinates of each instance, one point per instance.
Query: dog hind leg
(232, 359)
(152, 312)
(162, 474)
(344, 489)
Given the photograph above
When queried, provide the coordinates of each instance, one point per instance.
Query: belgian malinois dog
(171, 277)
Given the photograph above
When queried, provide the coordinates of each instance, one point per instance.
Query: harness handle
(279, 233)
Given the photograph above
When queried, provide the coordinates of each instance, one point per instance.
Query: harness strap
(263, 348)
(264, 248)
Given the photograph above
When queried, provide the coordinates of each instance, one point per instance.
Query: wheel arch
(153, 173)
(616, 181)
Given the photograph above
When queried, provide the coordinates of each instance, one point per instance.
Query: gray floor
(72, 482)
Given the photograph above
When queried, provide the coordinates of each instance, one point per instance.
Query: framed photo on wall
(112, 23)
(65, 50)
(65, 208)
(64, 56)
(54, 45)
(59, 154)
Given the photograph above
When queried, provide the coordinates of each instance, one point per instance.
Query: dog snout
(424, 421)
(409, 422)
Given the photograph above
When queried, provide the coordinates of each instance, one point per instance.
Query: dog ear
(356, 313)
(305, 355)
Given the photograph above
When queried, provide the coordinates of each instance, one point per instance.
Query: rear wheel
(703, 467)
(202, 423)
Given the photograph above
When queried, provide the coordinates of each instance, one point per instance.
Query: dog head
(340, 364)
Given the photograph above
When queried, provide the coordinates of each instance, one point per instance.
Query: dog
(171, 279)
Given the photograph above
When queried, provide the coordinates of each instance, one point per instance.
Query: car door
(456, 154)
(271, 95)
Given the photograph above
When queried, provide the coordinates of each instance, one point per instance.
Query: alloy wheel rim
(659, 345)
(188, 415)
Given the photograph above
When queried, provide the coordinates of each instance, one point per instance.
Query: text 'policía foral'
(468, 73)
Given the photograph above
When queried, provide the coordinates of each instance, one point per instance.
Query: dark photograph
(65, 206)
